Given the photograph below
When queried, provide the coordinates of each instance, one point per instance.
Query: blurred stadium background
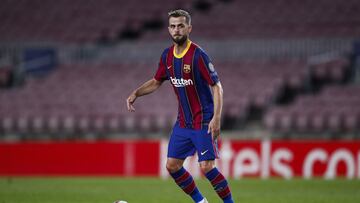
(290, 72)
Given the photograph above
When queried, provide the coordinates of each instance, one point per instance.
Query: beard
(180, 40)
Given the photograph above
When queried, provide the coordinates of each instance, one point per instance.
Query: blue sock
(220, 185)
(186, 182)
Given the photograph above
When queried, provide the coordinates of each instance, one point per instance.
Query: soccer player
(199, 93)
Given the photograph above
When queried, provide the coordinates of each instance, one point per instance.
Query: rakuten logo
(181, 82)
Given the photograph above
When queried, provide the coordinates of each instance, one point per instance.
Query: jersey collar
(182, 54)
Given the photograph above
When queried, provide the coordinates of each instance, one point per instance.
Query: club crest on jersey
(187, 68)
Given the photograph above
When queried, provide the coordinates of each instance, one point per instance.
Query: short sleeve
(207, 69)
(160, 74)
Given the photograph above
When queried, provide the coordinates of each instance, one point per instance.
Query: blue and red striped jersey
(190, 74)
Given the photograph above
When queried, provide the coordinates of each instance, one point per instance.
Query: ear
(190, 28)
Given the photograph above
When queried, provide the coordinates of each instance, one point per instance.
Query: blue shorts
(185, 142)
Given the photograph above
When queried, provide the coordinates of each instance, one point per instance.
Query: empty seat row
(329, 111)
(97, 93)
(84, 21)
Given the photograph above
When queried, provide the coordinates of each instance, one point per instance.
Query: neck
(180, 48)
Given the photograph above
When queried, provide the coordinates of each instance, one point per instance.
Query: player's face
(179, 29)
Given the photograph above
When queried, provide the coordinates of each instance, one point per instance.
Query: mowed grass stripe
(155, 190)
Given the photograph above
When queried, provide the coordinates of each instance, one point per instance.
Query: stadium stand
(73, 21)
(84, 21)
(81, 98)
(335, 109)
(293, 94)
(276, 19)
(96, 93)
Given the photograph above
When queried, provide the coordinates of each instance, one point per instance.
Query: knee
(207, 166)
(172, 167)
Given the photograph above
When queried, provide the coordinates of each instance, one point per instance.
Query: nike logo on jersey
(181, 82)
(169, 67)
(202, 153)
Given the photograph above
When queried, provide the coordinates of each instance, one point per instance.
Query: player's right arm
(146, 88)
(150, 85)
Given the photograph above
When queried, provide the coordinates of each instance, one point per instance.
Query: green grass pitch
(154, 190)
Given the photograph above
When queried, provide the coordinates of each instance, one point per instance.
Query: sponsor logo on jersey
(181, 82)
(187, 68)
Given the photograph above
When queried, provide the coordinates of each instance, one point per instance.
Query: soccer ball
(120, 201)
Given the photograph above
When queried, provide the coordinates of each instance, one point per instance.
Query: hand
(214, 128)
(130, 102)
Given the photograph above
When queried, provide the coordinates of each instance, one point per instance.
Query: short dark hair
(178, 13)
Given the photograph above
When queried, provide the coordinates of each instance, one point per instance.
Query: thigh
(180, 144)
(206, 147)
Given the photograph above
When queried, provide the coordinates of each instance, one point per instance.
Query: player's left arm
(215, 123)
